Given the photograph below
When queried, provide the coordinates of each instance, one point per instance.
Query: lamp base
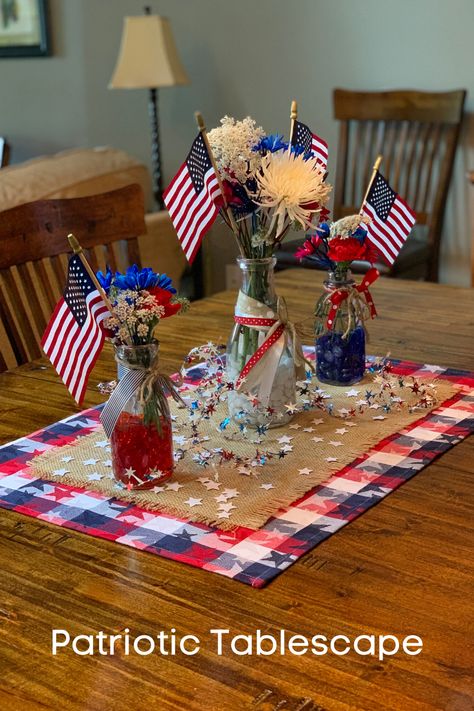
(157, 180)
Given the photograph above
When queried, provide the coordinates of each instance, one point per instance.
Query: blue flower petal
(137, 279)
(271, 143)
(105, 280)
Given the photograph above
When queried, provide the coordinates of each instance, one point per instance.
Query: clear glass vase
(257, 277)
(340, 350)
(142, 440)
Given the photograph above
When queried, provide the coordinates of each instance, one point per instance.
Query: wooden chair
(417, 132)
(33, 258)
(470, 177)
(4, 152)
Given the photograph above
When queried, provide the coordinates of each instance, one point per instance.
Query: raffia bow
(359, 300)
(297, 332)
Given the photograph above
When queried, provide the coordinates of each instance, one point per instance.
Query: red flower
(309, 246)
(324, 214)
(108, 332)
(313, 206)
(163, 298)
(230, 196)
(349, 248)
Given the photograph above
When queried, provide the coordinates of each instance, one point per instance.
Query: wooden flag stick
(378, 160)
(293, 117)
(228, 211)
(77, 249)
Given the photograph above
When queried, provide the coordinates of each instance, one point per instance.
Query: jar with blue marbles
(344, 306)
(340, 332)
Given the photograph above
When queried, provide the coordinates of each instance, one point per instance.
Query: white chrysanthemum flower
(346, 226)
(291, 186)
(232, 143)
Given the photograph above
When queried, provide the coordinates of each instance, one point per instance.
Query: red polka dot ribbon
(250, 321)
(266, 345)
(340, 295)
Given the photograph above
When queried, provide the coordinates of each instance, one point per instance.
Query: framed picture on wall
(24, 28)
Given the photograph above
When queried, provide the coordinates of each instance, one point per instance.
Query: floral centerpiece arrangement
(263, 187)
(137, 416)
(344, 307)
(270, 187)
(140, 299)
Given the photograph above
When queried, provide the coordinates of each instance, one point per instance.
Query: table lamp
(148, 59)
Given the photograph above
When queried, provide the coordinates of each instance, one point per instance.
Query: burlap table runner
(317, 445)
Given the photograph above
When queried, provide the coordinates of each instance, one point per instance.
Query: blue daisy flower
(360, 233)
(271, 143)
(105, 280)
(137, 279)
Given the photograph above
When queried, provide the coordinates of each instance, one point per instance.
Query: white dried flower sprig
(232, 144)
(291, 187)
(135, 315)
(346, 226)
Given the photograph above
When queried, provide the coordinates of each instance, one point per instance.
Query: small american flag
(193, 198)
(302, 136)
(74, 338)
(392, 219)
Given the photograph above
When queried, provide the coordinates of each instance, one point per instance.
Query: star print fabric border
(251, 556)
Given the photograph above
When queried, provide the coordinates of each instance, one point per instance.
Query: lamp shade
(148, 57)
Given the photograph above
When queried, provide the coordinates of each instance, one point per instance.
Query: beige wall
(244, 56)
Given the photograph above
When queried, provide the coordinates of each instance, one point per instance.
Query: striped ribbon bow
(146, 382)
(353, 294)
(262, 366)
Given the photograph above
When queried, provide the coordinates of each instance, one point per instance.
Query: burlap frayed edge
(253, 520)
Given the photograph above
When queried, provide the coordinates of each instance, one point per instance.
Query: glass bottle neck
(257, 279)
(339, 280)
(140, 357)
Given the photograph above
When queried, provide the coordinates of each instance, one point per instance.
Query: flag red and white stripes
(74, 338)
(193, 198)
(391, 219)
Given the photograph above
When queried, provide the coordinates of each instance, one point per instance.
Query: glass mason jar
(340, 351)
(142, 440)
(258, 283)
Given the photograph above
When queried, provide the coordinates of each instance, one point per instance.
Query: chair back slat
(357, 138)
(18, 316)
(109, 257)
(59, 271)
(417, 134)
(399, 156)
(34, 305)
(11, 333)
(420, 163)
(45, 279)
(133, 251)
(342, 161)
(34, 257)
(371, 133)
(91, 257)
(413, 138)
(388, 148)
(435, 155)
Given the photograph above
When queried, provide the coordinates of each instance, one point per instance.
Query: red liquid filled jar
(142, 440)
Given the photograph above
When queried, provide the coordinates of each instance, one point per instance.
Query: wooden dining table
(405, 567)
